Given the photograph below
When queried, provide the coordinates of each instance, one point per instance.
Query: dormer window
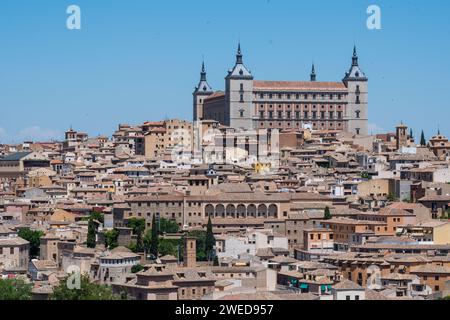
(241, 72)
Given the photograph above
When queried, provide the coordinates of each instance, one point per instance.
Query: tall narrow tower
(357, 101)
(202, 91)
(190, 252)
(239, 95)
(401, 136)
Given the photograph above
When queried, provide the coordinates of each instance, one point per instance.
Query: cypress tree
(91, 236)
(327, 214)
(210, 241)
(423, 142)
(154, 241)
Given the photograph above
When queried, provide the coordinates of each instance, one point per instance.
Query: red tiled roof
(298, 85)
(217, 94)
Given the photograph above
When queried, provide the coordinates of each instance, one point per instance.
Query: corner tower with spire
(357, 100)
(202, 91)
(239, 95)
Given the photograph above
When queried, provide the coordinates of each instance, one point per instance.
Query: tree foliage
(15, 289)
(154, 238)
(168, 247)
(210, 241)
(327, 213)
(138, 227)
(168, 226)
(137, 268)
(423, 142)
(391, 197)
(111, 239)
(87, 290)
(34, 237)
(133, 247)
(91, 241)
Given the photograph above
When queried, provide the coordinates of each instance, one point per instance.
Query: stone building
(249, 104)
(14, 251)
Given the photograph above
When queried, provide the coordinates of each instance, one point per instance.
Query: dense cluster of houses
(343, 216)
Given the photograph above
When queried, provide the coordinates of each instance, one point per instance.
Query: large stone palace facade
(248, 104)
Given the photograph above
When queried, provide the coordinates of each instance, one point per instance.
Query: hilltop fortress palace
(253, 104)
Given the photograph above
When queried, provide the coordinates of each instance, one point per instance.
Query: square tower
(357, 100)
(190, 252)
(239, 95)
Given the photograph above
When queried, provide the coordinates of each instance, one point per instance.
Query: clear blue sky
(139, 60)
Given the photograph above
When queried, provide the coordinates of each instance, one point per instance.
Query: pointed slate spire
(239, 55)
(239, 71)
(203, 72)
(313, 73)
(355, 57)
(203, 86)
(355, 72)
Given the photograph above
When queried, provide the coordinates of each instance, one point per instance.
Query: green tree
(168, 247)
(87, 290)
(327, 213)
(154, 238)
(133, 247)
(34, 237)
(391, 197)
(138, 226)
(423, 142)
(111, 239)
(210, 241)
(168, 226)
(137, 268)
(95, 215)
(15, 289)
(365, 175)
(92, 234)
